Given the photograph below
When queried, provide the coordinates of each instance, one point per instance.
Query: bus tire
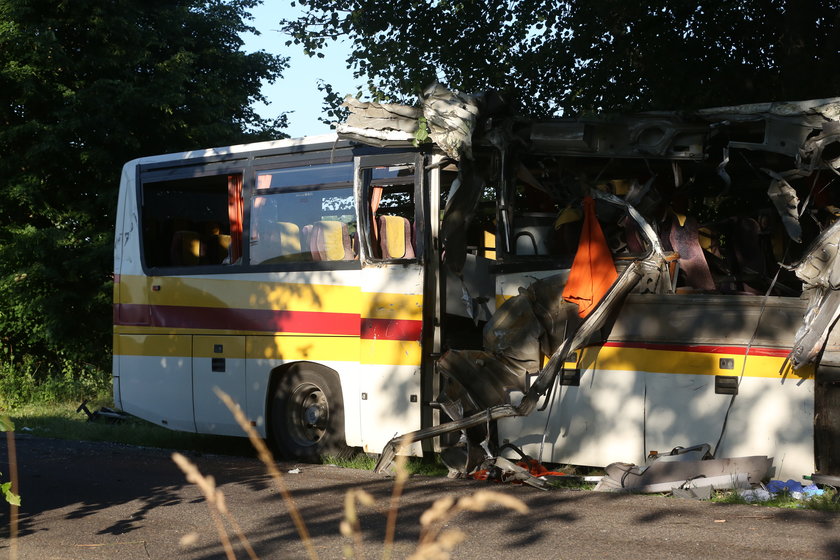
(307, 414)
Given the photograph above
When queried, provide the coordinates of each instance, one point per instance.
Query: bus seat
(330, 241)
(685, 241)
(185, 249)
(289, 243)
(210, 228)
(217, 247)
(395, 239)
(285, 243)
(305, 238)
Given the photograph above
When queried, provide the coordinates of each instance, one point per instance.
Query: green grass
(415, 465)
(61, 421)
(826, 502)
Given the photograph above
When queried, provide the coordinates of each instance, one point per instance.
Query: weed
(436, 541)
(360, 461)
(416, 466)
(62, 421)
(10, 489)
(825, 502)
(32, 381)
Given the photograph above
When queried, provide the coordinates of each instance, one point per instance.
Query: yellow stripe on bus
(316, 348)
(390, 352)
(239, 294)
(286, 348)
(685, 362)
(377, 305)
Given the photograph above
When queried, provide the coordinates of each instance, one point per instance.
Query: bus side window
(392, 230)
(303, 214)
(275, 235)
(192, 221)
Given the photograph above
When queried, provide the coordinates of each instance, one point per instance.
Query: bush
(33, 381)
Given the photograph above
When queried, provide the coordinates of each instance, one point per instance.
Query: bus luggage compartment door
(218, 362)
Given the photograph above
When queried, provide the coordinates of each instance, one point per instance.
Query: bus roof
(236, 149)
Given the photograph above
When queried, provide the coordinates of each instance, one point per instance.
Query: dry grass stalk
(350, 526)
(13, 478)
(401, 476)
(268, 460)
(435, 543)
(215, 499)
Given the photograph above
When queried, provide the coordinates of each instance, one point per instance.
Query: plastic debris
(756, 495)
(773, 488)
(790, 486)
(812, 490)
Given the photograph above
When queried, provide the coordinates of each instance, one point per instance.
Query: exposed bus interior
(736, 198)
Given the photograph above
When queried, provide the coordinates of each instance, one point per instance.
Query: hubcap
(308, 414)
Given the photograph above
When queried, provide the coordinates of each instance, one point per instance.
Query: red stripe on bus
(265, 320)
(705, 349)
(391, 329)
(309, 322)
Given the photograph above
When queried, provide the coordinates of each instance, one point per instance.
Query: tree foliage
(577, 56)
(87, 85)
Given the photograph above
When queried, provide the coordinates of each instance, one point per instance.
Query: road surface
(105, 501)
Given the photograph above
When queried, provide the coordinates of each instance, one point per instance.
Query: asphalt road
(105, 501)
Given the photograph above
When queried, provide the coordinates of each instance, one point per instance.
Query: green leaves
(87, 86)
(11, 497)
(421, 135)
(6, 487)
(576, 57)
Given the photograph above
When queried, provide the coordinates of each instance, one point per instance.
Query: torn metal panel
(574, 340)
(787, 204)
(786, 125)
(662, 475)
(379, 124)
(824, 148)
(451, 117)
(820, 273)
(460, 207)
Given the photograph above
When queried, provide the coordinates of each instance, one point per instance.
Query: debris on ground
(687, 469)
(103, 414)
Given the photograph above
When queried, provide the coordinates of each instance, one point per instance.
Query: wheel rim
(308, 414)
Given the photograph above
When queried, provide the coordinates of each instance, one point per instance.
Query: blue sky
(297, 91)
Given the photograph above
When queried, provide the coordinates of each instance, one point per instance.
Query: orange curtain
(375, 199)
(235, 213)
(593, 270)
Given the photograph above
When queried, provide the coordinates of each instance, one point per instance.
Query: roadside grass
(826, 502)
(416, 466)
(61, 421)
(571, 483)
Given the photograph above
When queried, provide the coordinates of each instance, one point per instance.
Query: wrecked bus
(583, 290)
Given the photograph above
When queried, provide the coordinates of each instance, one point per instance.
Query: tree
(577, 57)
(87, 85)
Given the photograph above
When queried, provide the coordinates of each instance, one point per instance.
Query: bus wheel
(307, 414)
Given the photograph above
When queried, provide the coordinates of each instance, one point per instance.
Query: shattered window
(390, 201)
